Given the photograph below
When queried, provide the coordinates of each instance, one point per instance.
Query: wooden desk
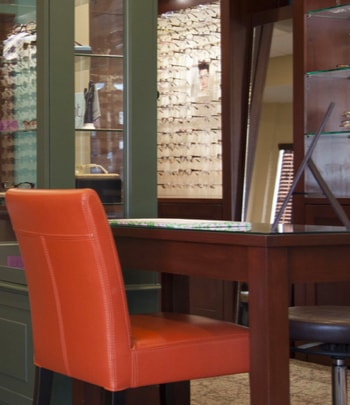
(269, 262)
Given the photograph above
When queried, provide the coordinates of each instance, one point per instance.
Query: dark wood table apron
(269, 262)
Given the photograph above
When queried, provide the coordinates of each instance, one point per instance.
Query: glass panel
(332, 158)
(99, 112)
(321, 88)
(18, 93)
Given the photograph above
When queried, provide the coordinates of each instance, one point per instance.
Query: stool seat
(322, 323)
(328, 328)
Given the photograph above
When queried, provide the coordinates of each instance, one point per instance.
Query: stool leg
(339, 382)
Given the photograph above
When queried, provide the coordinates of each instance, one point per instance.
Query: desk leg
(175, 298)
(268, 320)
(175, 293)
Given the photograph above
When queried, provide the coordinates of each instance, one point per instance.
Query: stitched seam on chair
(58, 306)
(57, 235)
(113, 366)
(91, 225)
(194, 342)
(137, 352)
(134, 380)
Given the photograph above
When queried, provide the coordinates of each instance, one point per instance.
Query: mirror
(270, 116)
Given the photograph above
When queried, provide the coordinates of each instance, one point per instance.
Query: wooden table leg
(175, 293)
(268, 320)
(175, 297)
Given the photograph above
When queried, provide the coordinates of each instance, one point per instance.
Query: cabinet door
(16, 353)
(119, 41)
(99, 95)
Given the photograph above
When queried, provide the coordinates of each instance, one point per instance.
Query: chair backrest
(80, 319)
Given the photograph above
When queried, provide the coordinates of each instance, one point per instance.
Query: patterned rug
(310, 384)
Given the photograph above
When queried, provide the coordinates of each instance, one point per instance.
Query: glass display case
(321, 77)
(99, 95)
(327, 80)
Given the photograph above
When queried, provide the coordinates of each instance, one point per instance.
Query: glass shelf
(17, 131)
(336, 73)
(336, 12)
(96, 55)
(89, 130)
(331, 133)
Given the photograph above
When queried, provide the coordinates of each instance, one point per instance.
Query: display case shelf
(337, 12)
(336, 73)
(89, 130)
(330, 133)
(96, 55)
(327, 79)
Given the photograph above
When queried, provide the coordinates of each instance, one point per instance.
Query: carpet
(310, 384)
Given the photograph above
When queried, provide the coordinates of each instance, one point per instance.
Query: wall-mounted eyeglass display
(189, 103)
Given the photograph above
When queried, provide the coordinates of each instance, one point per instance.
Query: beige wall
(276, 127)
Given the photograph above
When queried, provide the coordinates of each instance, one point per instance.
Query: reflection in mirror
(270, 117)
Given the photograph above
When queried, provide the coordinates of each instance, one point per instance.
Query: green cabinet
(45, 140)
(16, 365)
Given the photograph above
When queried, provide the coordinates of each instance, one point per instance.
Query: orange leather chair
(80, 319)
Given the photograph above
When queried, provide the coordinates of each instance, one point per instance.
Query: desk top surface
(222, 226)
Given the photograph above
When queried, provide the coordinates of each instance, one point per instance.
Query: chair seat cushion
(173, 347)
(320, 323)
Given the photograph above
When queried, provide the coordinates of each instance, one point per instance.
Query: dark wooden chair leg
(165, 394)
(176, 393)
(115, 398)
(42, 386)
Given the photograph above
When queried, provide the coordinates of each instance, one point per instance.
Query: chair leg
(166, 394)
(115, 398)
(42, 386)
(175, 393)
(339, 382)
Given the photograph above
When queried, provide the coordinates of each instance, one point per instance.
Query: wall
(276, 127)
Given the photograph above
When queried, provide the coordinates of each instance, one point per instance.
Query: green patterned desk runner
(170, 223)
